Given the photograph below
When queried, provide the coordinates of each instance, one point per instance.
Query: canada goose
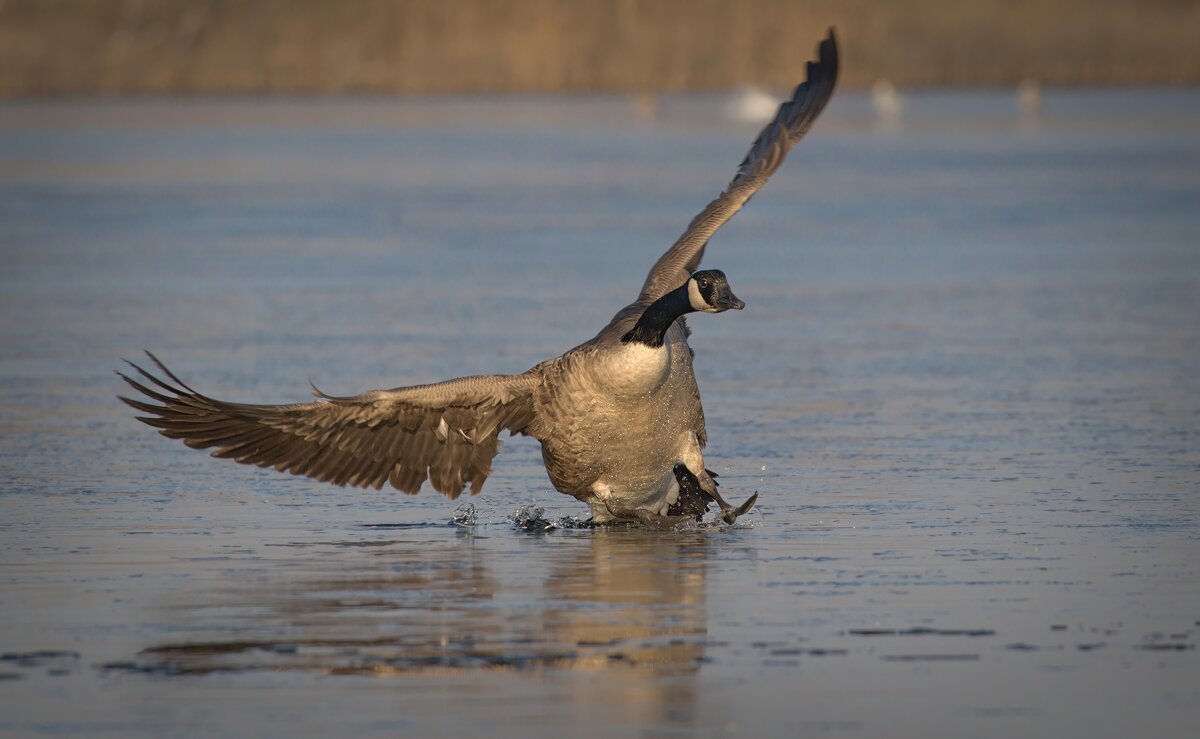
(619, 416)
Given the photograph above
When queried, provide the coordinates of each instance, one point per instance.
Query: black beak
(729, 300)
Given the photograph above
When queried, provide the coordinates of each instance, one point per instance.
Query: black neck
(652, 326)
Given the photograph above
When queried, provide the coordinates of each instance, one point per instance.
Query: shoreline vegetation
(139, 47)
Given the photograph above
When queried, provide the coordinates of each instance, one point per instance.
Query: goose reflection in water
(613, 600)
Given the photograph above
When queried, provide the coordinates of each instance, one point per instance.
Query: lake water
(966, 387)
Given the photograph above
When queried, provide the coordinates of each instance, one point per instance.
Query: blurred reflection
(643, 595)
(595, 600)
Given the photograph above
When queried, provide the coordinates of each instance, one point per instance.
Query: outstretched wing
(790, 124)
(446, 432)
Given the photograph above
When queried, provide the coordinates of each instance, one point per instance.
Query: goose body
(642, 402)
(619, 417)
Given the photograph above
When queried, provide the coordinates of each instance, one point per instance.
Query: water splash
(464, 515)
(531, 517)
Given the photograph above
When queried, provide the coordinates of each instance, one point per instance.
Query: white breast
(635, 368)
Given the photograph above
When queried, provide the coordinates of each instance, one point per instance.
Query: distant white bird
(887, 102)
(1029, 97)
(752, 104)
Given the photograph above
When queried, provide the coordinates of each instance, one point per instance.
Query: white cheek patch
(695, 298)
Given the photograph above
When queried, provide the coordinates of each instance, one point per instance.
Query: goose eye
(703, 282)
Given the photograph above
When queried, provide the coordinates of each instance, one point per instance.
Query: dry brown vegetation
(427, 46)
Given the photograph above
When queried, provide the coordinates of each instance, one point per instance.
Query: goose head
(709, 291)
(706, 290)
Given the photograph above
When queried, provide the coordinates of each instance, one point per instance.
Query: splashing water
(531, 517)
(464, 515)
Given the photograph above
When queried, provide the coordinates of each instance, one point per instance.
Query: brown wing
(446, 432)
(791, 122)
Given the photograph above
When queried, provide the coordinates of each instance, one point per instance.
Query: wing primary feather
(168, 373)
(791, 122)
(169, 400)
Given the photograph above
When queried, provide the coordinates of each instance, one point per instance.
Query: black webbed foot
(731, 514)
(691, 505)
(693, 500)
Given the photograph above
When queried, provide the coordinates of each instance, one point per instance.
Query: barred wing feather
(445, 432)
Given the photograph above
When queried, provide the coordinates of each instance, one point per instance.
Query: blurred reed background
(101, 47)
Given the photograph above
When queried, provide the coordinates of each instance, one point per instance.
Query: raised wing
(446, 432)
(790, 124)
